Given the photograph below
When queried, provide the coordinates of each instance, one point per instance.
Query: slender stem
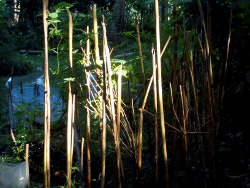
(155, 116)
(46, 101)
(95, 29)
(160, 96)
(88, 113)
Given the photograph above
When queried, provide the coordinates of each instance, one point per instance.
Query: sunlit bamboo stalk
(155, 116)
(104, 129)
(118, 122)
(82, 149)
(27, 164)
(106, 53)
(148, 127)
(88, 112)
(140, 55)
(72, 122)
(160, 96)
(46, 100)
(70, 104)
(139, 132)
(95, 29)
(165, 46)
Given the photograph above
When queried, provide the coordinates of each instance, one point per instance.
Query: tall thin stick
(95, 28)
(82, 148)
(46, 100)
(155, 116)
(139, 134)
(88, 112)
(27, 164)
(160, 96)
(106, 54)
(104, 103)
(118, 122)
(144, 86)
(104, 129)
(70, 104)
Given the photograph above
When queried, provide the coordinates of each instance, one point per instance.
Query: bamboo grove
(158, 140)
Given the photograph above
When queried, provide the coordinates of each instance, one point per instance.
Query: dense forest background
(160, 91)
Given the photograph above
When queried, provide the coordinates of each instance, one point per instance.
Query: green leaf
(75, 168)
(124, 73)
(64, 5)
(53, 15)
(69, 79)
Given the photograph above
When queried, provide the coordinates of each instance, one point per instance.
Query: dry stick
(88, 112)
(70, 104)
(95, 28)
(165, 46)
(139, 134)
(104, 129)
(160, 96)
(46, 100)
(82, 147)
(140, 55)
(196, 108)
(118, 122)
(104, 120)
(184, 122)
(112, 104)
(11, 114)
(155, 116)
(72, 123)
(27, 165)
(144, 86)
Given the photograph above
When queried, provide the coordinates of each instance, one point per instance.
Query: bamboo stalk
(155, 116)
(88, 112)
(46, 101)
(196, 104)
(140, 55)
(70, 105)
(118, 124)
(184, 123)
(160, 96)
(104, 121)
(150, 147)
(106, 54)
(82, 148)
(139, 133)
(27, 165)
(103, 175)
(95, 28)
